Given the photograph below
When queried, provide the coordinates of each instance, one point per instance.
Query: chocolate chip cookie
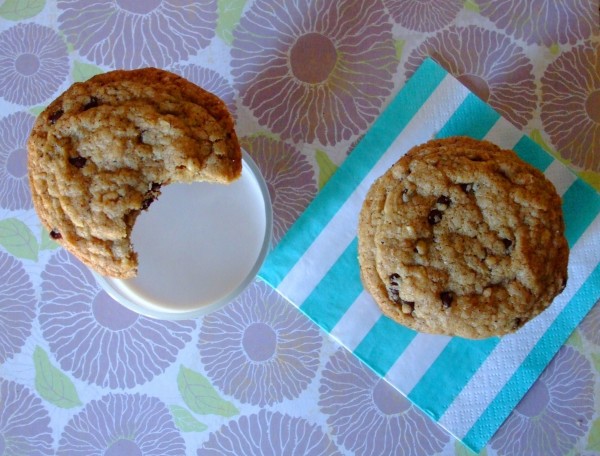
(100, 153)
(462, 238)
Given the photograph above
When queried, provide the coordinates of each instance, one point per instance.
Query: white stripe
(416, 360)
(325, 250)
(508, 355)
(504, 134)
(560, 176)
(357, 321)
(424, 349)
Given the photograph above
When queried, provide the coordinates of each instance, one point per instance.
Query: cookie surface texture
(462, 238)
(99, 154)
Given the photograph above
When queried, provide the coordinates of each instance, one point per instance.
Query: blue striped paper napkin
(315, 267)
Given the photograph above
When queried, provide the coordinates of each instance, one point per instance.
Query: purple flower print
(501, 74)
(260, 349)
(122, 424)
(571, 104)
(369, 417)
(132, 34)
(290, 179)
(541, 21)
(17, 306)
(269, 434)
(14, 187)
(24, 422)
(555, 413)
(423, 15)
(33, 63)
(209, 80)
(315, 70)
(95, 338)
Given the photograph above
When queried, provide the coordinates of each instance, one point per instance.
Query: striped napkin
(468, 387)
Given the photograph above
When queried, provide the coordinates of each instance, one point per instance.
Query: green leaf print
(84, 71)
(594, 436)
(46, 242)
(575, 340)
(554, 49)
(471, 5)
(51, 384)
(461, 450)
(17, 239)
(37, 110)
(399, 45)
(185, 421)
(200, 396)
(596, 361)
(230, 12)
(16, 10)
(326, 167)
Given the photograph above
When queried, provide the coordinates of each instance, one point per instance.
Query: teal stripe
(384, 343)
(457, 363)
(491, 419)
(341, 185)
(528, 150)
(473, 118)
(581, 203)
(334, 294)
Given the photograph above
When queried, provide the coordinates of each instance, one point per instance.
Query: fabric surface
(305, 80)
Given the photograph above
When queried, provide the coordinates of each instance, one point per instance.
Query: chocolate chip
(146, 203)
(55, 116)
(393, 278)
(78, 162)
(507, 243)
(517, 323)
(155, 186)
(447, 297)
(91, 104)
(444, 200)
(434, 217)
(467, 188)
(55, 234)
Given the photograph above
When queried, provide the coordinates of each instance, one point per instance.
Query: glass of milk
(198, 246)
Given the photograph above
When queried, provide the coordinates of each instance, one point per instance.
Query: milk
(199, 245)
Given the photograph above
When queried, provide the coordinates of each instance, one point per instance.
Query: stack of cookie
(99, 154)
(462, 238)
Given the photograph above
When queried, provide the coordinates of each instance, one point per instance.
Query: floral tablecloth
(79, 374)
